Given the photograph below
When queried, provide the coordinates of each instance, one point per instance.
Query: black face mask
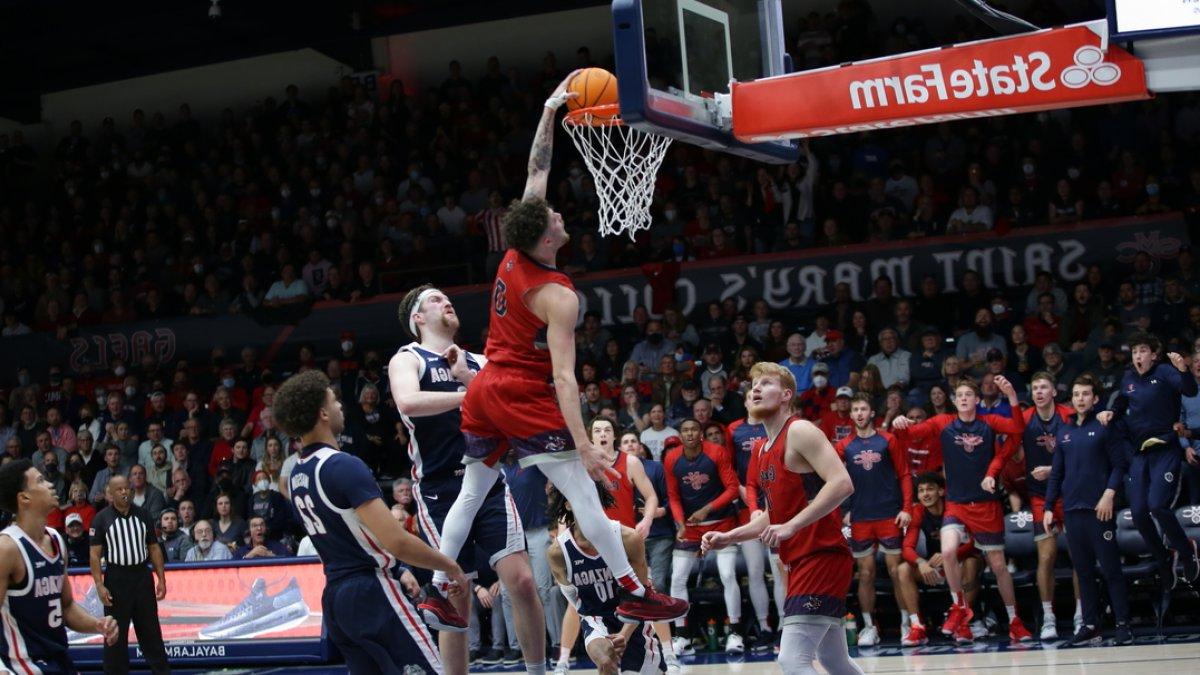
(983, 331)
(50, 469)
(75, 466)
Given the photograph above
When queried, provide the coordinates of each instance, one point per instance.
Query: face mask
(275, 213)
(654, 338)
(198, 268)
(285, 193)
(670, 214)
(819, 381)
(316, 192)
(677, 249)
(228, 383)
(576, 172)
(1152, 189)
(1028, 169)
(75, 466)
(379, 201)
(130, 391)
(999, 309)
(347, 345)
(119, 371)
(261, 486)
(1073, 173)
(98, 248)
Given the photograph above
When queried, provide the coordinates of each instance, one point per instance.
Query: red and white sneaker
(963, 634)
(1017, 631)
(653, 606)
(439, 614)
(959, 615)
(915, 637)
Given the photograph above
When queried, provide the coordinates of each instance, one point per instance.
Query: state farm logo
(696, 479)
(867, 459)
(1090, 68)
(1021, 75)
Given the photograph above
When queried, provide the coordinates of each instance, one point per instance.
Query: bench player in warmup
(1089, 466)
(803, 481)
(927, 517)
(701, 489)
(973, 460)
(587, 582)
(1042, 424)
(335, 497)
(878, 512)
(1149, 401)
(429, 379)
(743, 435)
(35, 595)
(527, 399)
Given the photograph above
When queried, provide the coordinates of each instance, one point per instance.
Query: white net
(623, 161)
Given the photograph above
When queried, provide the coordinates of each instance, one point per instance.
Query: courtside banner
(237, 612)
(1054, 68)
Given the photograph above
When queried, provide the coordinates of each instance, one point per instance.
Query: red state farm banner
(1055, 68)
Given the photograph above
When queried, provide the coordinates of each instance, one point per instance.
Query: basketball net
(623, 161)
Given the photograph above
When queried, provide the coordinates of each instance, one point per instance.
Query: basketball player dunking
(803, 481)
(531, 364)
(36, 605)
(429, 379)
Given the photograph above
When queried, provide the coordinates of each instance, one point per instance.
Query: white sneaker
(562, 667)
(682, 646)
(868, 637)
(734, 644)
(673, 667)
(1049, 630)
(978, 629)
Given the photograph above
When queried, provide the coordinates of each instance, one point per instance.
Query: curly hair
(556, 507)
(298, 402)
(525, 221)
(13, 481)
(406, 307)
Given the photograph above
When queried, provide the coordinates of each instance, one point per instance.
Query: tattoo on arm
(539, 157)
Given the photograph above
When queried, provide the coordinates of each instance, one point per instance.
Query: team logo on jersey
(867, 459)
(813, 603)
(840, 432)
(556, 444)
(1067, 437)
(1169, 477)
(1108, 535)
(766, 475)
(696, 479)
(1130, 388)
(968, 442)
(1048, 442)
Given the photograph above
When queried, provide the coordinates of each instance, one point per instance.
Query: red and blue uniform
(882, 489)
(970, 453)
(708, 479)
(1039, 442)
(742, 436)
(623, 510)
(819, 564)
(511, 403)
(931, 524)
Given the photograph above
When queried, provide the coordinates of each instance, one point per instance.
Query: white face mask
(998, 309)
(228, 382)
(819, 381)
(130, 391)
(261, 486)
(119, 371)
(347, 345)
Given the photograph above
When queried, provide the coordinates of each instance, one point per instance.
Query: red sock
(630, 583)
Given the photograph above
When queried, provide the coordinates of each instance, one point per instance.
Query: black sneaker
(1088, 636)
(512, 657)
(764, 641)
(473, 656)
(1191, 564)
(492, 657)
(1124, 636)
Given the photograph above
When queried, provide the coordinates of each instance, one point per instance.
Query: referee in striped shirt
(123, 535)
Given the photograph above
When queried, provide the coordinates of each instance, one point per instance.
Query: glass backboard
(673, 56)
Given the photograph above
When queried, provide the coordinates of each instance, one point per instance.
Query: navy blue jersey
(1150, 403)
(35, 638)
(969, 451)
(436, 444)
(1039, 442)
(595, 590)
(742, 436)
(327, 485)
(662, 526)
(882, 484)
(1090, 458)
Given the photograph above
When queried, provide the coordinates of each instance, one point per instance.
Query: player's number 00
(307, 511)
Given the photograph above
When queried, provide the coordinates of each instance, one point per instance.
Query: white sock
(764, 624)
(537, 668)
(564, 654)
(478, 479)
(1012, 611)
(1048, 610)
(867, 620)
(903, 617)
(915, 619)
(1079, 608)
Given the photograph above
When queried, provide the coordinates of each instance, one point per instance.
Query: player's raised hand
(1178, 361)
(713, 541)
(561, 94)
(1004, 385)
(900, 423)
(1104, 417)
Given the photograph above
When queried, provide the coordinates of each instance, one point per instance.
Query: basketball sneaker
(1088, 636)
(868, 636)
(963, 634)
(1049, 630)
(1017, 631)
(1123, 636)
(734, 644)
(260, 613)
(1191, 563)
(915, 637)
(562, 667)
(682, 646)
(438, 613)
(651, 607)
(959, 615)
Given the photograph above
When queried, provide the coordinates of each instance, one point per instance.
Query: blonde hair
(768, 369)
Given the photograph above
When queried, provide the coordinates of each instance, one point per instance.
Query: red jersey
(622, 490)
(787, 493)
(924, 454)
(516, 336)
(836, 426)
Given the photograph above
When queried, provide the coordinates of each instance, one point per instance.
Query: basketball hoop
(623, 161)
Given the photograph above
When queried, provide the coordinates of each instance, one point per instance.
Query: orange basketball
(593, 87)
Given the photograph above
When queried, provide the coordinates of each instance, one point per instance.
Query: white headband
(412, 323)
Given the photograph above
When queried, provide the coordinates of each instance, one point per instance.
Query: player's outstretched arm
(409, 549)
(807, 444)
(543, 143)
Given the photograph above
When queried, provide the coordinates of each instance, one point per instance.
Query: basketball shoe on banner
(260, 613)
(90, 602)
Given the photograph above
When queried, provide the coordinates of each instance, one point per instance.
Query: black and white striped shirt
(124, 538)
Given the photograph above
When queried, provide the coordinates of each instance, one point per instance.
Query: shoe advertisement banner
(235, 612)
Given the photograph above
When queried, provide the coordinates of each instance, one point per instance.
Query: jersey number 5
(308, 514)
(499, 300)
